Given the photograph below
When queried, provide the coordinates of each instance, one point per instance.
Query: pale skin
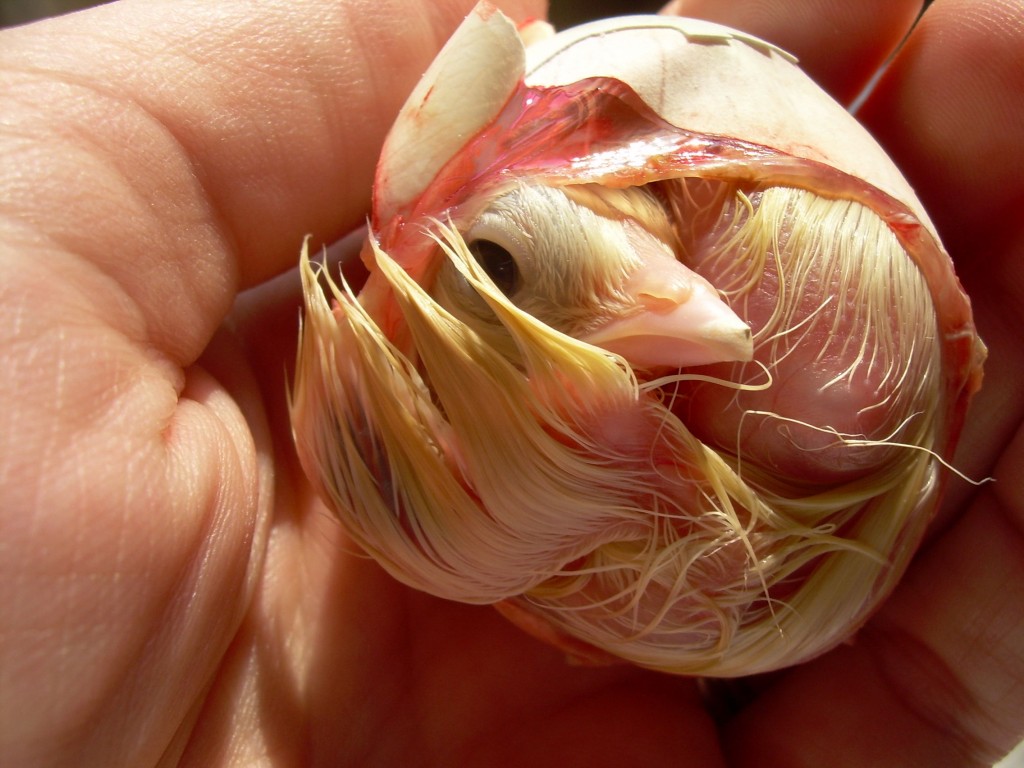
(172, 592)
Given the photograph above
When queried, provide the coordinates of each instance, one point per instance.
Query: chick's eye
(498, 263)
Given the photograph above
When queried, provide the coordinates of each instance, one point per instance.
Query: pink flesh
(802, 390)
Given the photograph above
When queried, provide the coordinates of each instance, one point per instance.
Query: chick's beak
(676, 317)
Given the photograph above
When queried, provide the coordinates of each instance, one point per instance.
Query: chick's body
(535, 401)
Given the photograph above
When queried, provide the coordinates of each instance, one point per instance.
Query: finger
(839, 44)
(949, 109)
(189, 148)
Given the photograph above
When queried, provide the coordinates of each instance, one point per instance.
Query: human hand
(172, 590)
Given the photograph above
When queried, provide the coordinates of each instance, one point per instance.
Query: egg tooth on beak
(676, 318)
